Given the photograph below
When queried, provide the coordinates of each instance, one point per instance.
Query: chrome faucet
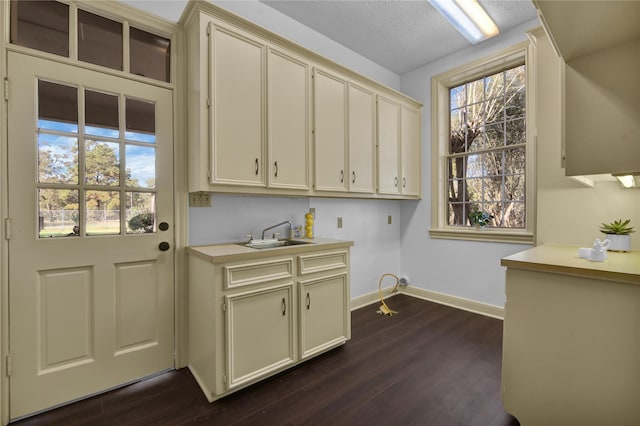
(279, 224)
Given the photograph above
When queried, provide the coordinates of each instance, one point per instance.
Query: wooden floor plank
(428, 365)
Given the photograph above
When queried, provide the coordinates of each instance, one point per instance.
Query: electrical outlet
(339, 222)
(199, 199)
(389, 220)
(312, 210)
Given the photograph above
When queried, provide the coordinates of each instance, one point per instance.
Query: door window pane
(141, 209)
(101, 114)
(102, 212)
(102, 163)
(57, 159)
(141, 166)
(141, 121)
(57, 213)
(99, 40)
(57, 107)
(150, 55)
(42, 25)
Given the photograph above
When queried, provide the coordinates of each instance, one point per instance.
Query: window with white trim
(482, 156)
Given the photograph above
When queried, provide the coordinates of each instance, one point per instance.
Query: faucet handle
(250, 237)
(275, 235)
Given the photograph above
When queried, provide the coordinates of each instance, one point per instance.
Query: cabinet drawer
(311, 263)
(257, 272)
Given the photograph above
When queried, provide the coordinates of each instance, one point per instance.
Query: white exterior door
(91, 246)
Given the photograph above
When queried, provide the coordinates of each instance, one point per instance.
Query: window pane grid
(92, 186)
(486, 159)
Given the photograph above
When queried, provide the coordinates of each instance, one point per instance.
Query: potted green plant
(479, 218)
(619, 233)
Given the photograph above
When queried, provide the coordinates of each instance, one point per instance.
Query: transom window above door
(48, 26)
(96, 162)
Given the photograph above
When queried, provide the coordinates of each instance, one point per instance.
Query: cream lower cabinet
(260, 333)
(251, 318)
(323, 310)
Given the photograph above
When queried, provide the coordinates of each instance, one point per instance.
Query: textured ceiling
(400, 35)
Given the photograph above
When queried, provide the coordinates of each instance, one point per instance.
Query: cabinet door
(288, 115)
(237, 108)
(324, 321)
(388, 146)
(410, 151)
(362, 110)
(330, 131)
(259, 333)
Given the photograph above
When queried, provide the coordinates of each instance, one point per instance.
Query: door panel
(91, 295)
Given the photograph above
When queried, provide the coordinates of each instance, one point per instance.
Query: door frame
(181, 212)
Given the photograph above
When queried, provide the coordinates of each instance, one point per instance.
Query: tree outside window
(486, 151)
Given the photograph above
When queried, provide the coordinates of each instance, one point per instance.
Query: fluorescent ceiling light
(468, 17)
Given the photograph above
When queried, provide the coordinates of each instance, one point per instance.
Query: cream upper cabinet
(288, 121)
(237, 107)
(399, 148)
(601, 94)
(388, 146)
(361, 122)
(411, 152)
(330, 102)
(266, 116)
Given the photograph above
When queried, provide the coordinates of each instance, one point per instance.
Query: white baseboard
(455, 302)
(371, 298)
(432, 296)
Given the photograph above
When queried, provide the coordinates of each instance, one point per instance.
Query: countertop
(560, 259)
(237, 251)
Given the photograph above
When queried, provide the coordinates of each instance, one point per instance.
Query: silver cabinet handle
(284, 307)
(275, 168)
(257, 167)
(395, 181)
(308, 301)
(353, 174)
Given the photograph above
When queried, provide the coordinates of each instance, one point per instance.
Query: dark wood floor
(429, 365)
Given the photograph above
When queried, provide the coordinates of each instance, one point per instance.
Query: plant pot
(619, 242)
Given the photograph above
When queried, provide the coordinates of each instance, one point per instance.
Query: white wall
(465, 269)
(230, 218)
(376, 247)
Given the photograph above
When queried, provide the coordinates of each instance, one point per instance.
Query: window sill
(492, 235)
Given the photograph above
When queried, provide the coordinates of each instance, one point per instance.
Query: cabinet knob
(164, 246)
(163, 226)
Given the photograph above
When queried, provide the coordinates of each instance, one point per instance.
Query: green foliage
(617, 227)
(142, 222)
(477, 217)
